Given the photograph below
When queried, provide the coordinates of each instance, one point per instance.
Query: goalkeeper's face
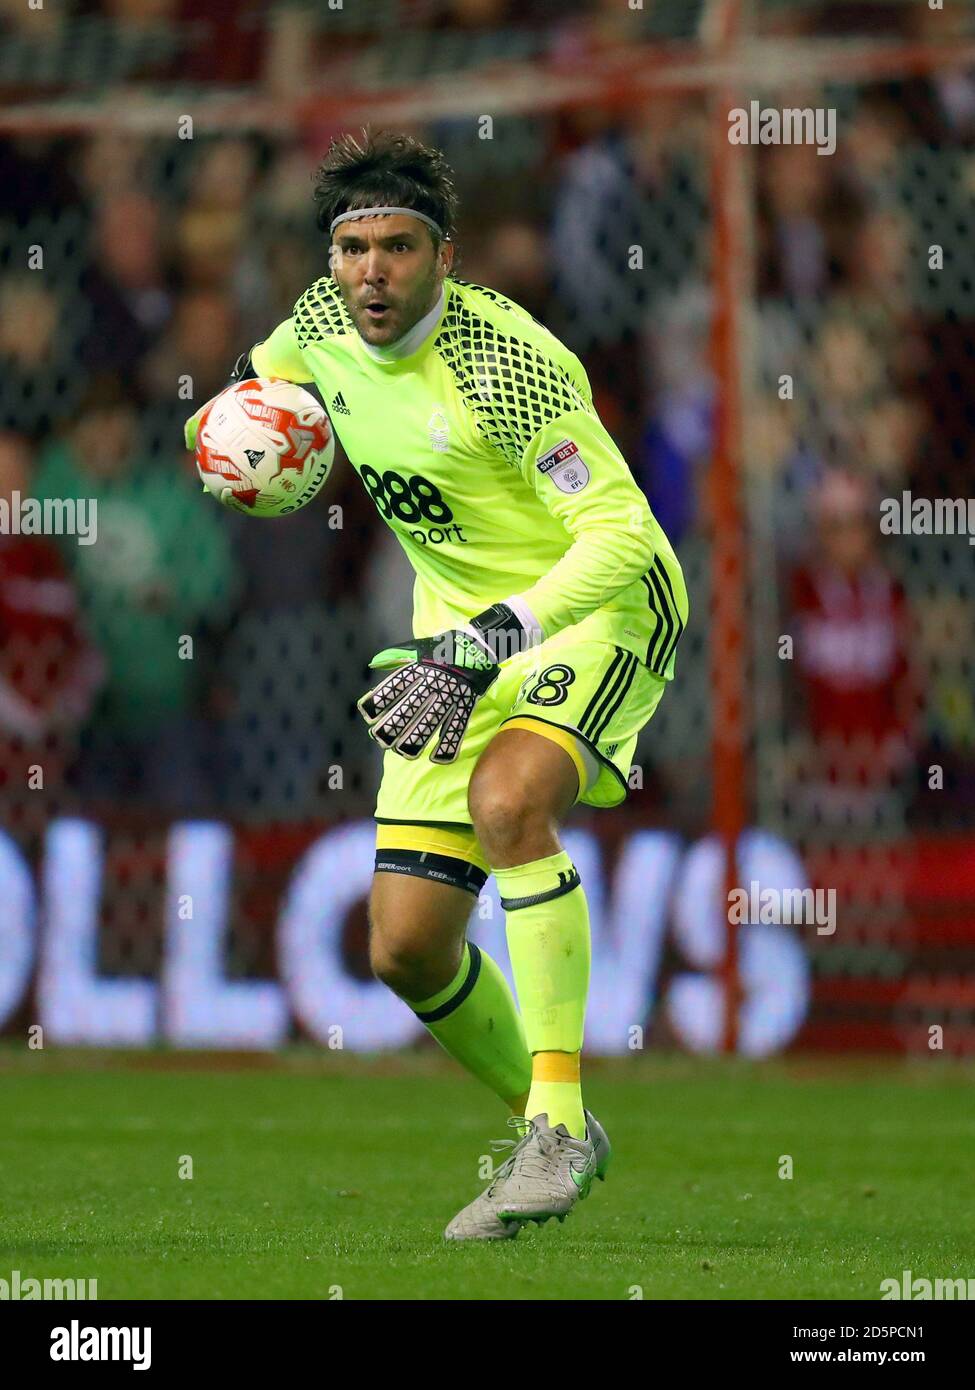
(389, 273)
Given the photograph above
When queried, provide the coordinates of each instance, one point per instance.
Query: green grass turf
(318, 1170)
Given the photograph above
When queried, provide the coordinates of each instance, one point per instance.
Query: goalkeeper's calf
(521, 789)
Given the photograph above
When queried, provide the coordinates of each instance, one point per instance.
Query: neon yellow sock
(476, 1020)
(547, 923)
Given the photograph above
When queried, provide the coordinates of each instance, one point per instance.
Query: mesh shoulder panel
(505, 367)
(321, 313)
(495, 296)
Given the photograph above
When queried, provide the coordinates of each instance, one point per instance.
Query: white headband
(374, 212)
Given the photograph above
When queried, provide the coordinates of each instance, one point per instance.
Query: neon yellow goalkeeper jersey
(485, 457)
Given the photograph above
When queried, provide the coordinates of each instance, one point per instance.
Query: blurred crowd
(134, 269)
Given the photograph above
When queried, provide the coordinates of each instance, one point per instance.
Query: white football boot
(545, 1175)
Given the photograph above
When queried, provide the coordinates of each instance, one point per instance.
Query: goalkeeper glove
(243, 368)
(437, 683)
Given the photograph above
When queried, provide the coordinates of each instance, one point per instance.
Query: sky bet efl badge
(565, 466)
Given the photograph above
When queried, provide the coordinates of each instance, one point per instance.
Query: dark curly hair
(384, 169)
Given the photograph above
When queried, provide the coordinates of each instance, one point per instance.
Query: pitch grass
(314, 1171)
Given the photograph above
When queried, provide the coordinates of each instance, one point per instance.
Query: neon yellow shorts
(592, 698)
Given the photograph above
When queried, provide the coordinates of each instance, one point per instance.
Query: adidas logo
(254, 456)
(339, 405)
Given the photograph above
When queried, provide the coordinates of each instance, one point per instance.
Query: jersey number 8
(554, 679)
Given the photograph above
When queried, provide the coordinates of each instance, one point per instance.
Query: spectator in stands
(794, 221)
(160, 571)
(39, 375)
(612, 261)
(212, 229)
(946, 788)
(128, 300)
(49, 670)
(852, 643)
(200, 344)
(868, 155)
(942, 103)
(677, 439)
(113, 162)
(514, 260)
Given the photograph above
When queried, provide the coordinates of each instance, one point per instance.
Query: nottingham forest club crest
(439, 430)
(565, 466)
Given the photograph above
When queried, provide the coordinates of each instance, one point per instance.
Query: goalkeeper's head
(388, 204)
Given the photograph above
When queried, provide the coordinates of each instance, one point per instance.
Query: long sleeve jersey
(484, 455)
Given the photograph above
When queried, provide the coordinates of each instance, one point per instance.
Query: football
(265, 447)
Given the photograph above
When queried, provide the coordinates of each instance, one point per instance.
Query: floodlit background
(774, 342)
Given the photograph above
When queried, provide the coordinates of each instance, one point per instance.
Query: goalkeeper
(548, 605)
